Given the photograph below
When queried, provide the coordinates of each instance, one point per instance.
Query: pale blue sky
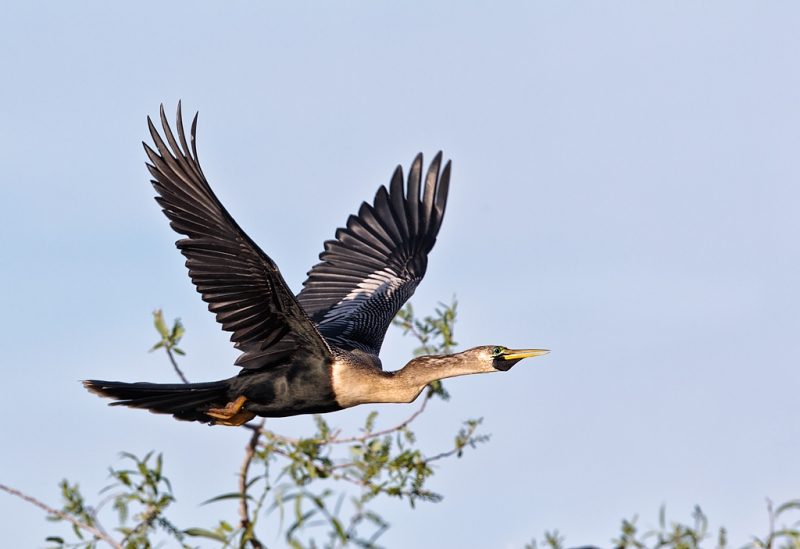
(625, 192)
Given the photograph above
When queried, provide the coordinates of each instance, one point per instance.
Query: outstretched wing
(377, 261)
(240, 283)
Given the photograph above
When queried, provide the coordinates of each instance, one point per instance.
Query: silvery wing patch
(377, 261)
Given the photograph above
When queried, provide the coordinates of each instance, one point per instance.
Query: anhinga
(318, 351)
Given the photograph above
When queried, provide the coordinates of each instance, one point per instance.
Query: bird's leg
(232, 413)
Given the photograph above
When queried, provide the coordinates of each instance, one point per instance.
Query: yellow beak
(511, 354)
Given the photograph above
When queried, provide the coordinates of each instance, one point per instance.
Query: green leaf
(322, 427)
(202, 533)
(370, 423)
(436, 388)
(231, 495)
(722, 539)
(55, 539)
(339, 529)
(158, 320)
(794, 504)
(179, 351)
(177, 331)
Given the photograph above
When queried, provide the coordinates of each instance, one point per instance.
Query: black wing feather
(377, 260)
(240, 283)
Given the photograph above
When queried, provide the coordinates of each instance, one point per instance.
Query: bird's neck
(354, 385)
(423, 370)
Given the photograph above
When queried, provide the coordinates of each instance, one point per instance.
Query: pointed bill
(519, 354)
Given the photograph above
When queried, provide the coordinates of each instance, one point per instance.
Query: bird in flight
(318, 351)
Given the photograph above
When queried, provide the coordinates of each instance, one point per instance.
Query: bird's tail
(186, 401)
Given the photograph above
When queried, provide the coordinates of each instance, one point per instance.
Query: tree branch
(409, 327)
(366, 436)
(248, 458)
(97, 533)
(175, 365)
(334, 440)
(148, 519)
(444, 454)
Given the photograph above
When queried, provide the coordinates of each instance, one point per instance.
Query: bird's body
(318, 351)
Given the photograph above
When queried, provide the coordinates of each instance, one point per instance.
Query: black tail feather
(185, 401)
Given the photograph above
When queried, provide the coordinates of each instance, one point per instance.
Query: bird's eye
(497, 351)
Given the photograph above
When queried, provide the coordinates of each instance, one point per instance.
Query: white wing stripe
(379, 282)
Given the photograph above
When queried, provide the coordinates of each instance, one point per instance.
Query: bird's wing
(241, 284)
(377, 261)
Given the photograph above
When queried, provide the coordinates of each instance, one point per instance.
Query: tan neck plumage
(354, 385)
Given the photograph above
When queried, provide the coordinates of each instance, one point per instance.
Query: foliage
(430, 329)
(311, 482)
(140, 497)
(169, 340)
(676, 535)
(434, 333)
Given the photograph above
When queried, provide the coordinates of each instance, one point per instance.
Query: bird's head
(421, 371)
(502, 358)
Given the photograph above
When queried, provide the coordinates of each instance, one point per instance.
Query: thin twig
(329, 471)
(103, 502)
(366, 436)
(97, 533)
(467, 440)
(334, 440)
(409, 327)
(426, 349)
(175, 364)
(272, 434)
(443, 455)
(248, 458)
(771, 537)
(149, 517)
